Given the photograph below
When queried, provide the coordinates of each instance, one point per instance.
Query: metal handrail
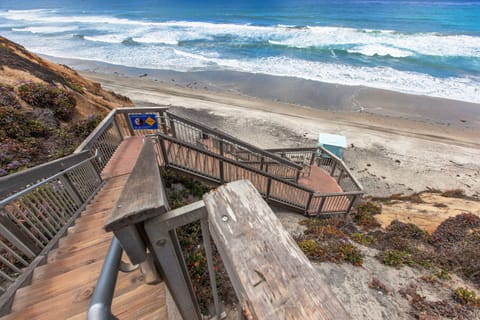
(101, 303)
(3, 202)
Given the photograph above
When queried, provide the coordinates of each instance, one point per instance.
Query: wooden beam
(270, 274)
(143, 196)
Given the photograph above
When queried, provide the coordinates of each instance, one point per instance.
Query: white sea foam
(381, 50)
(110, 38)
(153, 57)
(46, 29)
(169, 55)
(362, 41)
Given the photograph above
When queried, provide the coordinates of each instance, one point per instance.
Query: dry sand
(387, 154)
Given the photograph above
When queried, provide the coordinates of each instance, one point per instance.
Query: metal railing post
(127, 120)
(340, 176)
(269, 186)
(351, 204)
(309, 201)
(72, 190)
(221, 166)
(174, 270)
(333, 168)
(320, 207)
(163, 150)
(115, 124)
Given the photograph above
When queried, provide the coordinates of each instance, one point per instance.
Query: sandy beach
(391, 149)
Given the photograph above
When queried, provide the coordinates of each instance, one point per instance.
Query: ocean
(429, 47)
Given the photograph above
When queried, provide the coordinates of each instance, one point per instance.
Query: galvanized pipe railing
(101, 302)
(35, 218)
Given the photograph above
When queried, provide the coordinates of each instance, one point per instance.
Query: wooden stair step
(58, 266)
(61, 253)
(75, 301)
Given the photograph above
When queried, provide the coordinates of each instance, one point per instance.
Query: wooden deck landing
(320, 181)
(62, 288)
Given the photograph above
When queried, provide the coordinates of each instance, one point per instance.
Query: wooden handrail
(226, 136)
(143, 195)
(270, 274)
(237, 163)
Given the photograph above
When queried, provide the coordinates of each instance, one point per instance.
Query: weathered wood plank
(271, 275)
(143, 196)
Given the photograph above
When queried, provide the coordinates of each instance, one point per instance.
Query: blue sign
(143, 121)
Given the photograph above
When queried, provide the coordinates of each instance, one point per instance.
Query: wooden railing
(218, 169)
(326, 160)
(220, 143)
(269, 273)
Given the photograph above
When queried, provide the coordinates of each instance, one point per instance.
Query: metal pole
(101, 302)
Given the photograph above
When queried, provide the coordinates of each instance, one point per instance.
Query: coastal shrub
(351, 254)
(455, 229)
(312, 249)
(75, 87)
(324, 240)
(40, 95)
(396, 258)
(406, 231)
(466, 296)
(443, 274)
(14, 124)
(327, 232)
(15, 156)
(8, 98)
(364, 215)
(84, 127)
(363, 239)
(424, 309)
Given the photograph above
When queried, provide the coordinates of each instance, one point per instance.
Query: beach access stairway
(52, 220)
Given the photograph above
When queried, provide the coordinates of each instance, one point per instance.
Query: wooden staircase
(62, 288)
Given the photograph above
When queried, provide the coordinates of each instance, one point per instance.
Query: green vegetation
(182, 190)
(363, 239)
(364, 215)
(466, 296)
(396, 258)
(83, 128)
(325, 240)
(75, 86)
(59, 100)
